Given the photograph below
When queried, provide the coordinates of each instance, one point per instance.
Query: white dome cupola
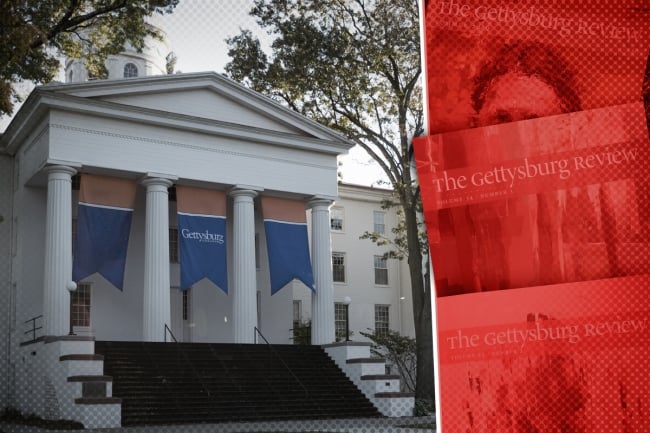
(156, 58)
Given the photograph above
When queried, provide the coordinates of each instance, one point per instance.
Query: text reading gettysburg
(508, 175)
(531, 16)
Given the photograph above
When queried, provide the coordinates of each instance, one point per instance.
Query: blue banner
(202, 242)
(288, 249)
(101, 244)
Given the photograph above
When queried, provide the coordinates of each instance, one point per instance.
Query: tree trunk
(421, 292)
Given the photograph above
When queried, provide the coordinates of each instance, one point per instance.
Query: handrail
(257, 331)
(170, 333)
(34, 327)
(187, 360)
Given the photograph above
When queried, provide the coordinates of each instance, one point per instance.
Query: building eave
(363, 192)
(47, 99)
(202, 80)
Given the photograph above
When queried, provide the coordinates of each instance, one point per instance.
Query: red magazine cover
(583, 54)
(539, 235)
(535, 188)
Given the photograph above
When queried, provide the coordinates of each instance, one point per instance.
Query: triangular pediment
(207, 96)
(206, 104)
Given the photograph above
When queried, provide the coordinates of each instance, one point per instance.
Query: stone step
(176, 383)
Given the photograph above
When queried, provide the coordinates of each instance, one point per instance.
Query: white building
(378, 290)
(196, 130)
(160, 132)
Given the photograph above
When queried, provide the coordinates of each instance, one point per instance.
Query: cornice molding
(210, 81)
(178, 144)
(40, 103)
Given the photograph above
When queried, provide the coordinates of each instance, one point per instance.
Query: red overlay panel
(536, 192)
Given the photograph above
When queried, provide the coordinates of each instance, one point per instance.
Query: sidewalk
(362, 425)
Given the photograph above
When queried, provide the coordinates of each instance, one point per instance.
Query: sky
(197, 31)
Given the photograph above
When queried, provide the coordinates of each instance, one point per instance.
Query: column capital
(158, 180)
(319, 202)
(60, 169)
(244, 191)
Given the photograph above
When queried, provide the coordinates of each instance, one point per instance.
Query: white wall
(131, 147)
(358, 204)
(6, 292)
(30, 227)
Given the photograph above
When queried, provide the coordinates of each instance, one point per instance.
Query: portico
(199, 130)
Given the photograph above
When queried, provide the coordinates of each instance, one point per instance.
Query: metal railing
(171, 334)
(186, 359)
(34, 328)
(275, 352)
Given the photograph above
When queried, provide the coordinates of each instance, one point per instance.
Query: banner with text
(202, 236)
(534, 180)
(285, 224)
(104, 217)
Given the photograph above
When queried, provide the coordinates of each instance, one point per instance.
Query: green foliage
(399, 351)
(35, 34)
(398, 239)
(424, 407)
(302, 333)
(351, 65)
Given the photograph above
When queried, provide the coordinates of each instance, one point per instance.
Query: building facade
(371, 293)
(193, 130)
(163, 134)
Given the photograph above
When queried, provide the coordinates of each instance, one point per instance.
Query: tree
(399, 351)
(354, 66)
(36, 33)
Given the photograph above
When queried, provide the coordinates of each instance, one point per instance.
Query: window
(80, 305)
(130, 70)
(297, 313)
(338, 267)
(381, 270)
(381, 320)
(340, 321)
(378, 225)
(186, 304)
(173, 245)
(336, 219)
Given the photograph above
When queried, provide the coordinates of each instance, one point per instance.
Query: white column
(156, 308)
(322, 299)
(244, 290)
(58, 250)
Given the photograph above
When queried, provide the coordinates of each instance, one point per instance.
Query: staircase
(171, 383)
(369, 375)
